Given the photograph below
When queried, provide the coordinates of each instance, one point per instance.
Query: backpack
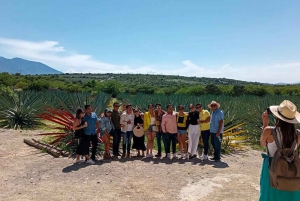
(284, 170)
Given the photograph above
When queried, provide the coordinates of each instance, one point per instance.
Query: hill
(25, 67)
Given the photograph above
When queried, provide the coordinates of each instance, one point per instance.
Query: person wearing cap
(205, 129)
(288, 136)
(115, 118)
(126, 120)
(216, 129)
(159, 113)
(106, 128)
(194, 131)
(92, 129)
(169, 127)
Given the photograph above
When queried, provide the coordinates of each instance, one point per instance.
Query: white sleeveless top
(152, 122)
(272, 146)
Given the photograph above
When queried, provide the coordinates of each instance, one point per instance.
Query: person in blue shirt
(92, 129)
(216, 129)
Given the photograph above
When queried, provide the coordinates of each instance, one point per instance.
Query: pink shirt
(169, 123)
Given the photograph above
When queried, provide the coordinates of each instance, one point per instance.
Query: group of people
(170, 126)
(167, 126)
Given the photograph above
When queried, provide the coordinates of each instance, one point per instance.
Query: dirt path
(29, 174)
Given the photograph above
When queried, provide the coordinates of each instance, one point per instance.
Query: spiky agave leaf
(20, 109)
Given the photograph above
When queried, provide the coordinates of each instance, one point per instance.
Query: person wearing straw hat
(216, 129)
(287, 117)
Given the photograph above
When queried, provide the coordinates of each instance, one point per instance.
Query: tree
(238, 90)
(212, 89)
(112, 87)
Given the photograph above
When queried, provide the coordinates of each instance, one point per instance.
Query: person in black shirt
(139, 142)
(194, 131)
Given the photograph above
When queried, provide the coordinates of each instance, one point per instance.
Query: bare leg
(148, 141)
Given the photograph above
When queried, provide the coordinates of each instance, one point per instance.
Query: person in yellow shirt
(205, 129)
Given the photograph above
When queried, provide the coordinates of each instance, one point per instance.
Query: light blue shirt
(105, 124)
(215, 119)
(91, 121)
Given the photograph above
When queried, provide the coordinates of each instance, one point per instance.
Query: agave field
(56, 110)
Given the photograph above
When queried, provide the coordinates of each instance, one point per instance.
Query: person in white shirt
(126, 120)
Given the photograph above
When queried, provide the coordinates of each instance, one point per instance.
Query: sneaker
(182, 155)
(193, 156)
(90, 161)
(204, 157)
(123, 155)
(168, 155)
(128, 155)
(149, 156)
(79, 161)
(158, 155)
(174, 155)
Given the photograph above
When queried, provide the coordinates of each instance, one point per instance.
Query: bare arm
(75, 124)
(207, 120)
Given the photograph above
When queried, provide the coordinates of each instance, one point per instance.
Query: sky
(250, 40)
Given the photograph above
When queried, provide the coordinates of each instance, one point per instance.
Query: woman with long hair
(288, 137)
(182, 130)
(138, 142)
(150, 127)
(82, 143)
(106, 128)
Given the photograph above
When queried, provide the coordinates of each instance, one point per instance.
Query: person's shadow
(77, 166)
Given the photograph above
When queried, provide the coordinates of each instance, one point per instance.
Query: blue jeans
(170, 138)
(127, 141)
(216, 145)
(205, 136)
(116, 141)
(159, 137)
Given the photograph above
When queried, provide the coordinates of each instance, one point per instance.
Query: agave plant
(19, 110)
(63, 115)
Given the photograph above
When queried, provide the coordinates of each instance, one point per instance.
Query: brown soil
(29, 174)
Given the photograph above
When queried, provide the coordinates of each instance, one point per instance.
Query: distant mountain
(18, 65)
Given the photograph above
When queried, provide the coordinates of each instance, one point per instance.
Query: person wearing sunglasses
(205, 131)
(182, 130)
(216, 129)
(194, 131)
(115, 118)
(159, 113)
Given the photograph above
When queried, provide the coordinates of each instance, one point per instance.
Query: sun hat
(138, 131)
(107, 110)
(286, 111)
(214, 102)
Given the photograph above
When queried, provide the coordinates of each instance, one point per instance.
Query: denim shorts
(150, 129)
(181, 132)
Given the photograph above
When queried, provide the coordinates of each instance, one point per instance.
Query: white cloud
(56, 56)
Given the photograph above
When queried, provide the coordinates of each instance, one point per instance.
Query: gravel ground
(28, 174)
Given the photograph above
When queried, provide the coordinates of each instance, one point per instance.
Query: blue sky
(250, 40)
